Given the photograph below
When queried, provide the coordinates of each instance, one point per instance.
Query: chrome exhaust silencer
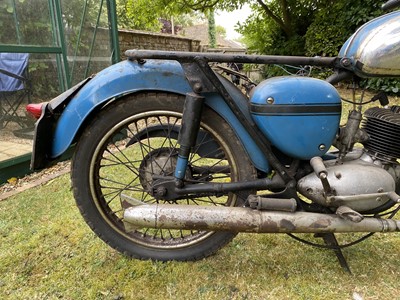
(241, 219)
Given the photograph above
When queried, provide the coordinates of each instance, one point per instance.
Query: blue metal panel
(299, 115)
(115, 81)
(130, 77)
(255, 154)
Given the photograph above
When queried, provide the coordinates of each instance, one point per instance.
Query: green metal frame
(29, 49)
(19, 165)
(65, 74)
(16, 22)
(59, 39)
(113, 25)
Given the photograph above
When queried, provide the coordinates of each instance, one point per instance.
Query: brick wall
(135, 39)
(44, 79)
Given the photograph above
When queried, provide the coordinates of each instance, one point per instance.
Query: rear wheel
(129, 142)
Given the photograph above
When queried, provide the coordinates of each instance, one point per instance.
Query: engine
(300, 116)
(383, 128)
(366, 178)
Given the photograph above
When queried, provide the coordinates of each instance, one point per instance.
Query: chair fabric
(15, 88)
(14, 66)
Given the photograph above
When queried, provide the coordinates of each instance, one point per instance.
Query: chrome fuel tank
(374, 49)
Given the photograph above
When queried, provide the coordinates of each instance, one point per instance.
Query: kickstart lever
(320, 170)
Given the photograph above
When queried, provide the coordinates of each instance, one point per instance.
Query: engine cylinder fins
(383, 128)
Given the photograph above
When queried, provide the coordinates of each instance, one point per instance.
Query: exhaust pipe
(241, 219)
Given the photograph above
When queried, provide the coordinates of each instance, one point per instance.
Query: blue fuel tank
(299, 115)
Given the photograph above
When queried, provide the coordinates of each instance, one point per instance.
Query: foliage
(48, 252)
(189, 18)
(320, 28)
(33, 17)
(206, 5)
(212, 30)
(145, 15)
(283, 34)
(276, 27)
(389, 85)
(220, 30)
(336, 22)
(296, 27)
(139, 14)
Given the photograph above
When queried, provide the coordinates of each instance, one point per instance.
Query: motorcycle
(171, 160)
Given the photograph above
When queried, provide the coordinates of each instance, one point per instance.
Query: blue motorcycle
(171, 160)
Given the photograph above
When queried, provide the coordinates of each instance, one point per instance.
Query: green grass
(48, 252)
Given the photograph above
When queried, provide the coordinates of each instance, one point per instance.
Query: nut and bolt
(160, 191)
(270, 100)
(346, 62)
(197, 87)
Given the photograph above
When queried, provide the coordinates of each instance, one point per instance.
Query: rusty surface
(240, 219)
(237, 58)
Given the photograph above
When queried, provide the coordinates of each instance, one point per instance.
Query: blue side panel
(302, 137)
(129, 77)
(299, 115)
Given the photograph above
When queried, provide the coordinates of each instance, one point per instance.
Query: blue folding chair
(15, 88)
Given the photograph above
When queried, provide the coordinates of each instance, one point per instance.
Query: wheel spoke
(156, 157)
(138, 147)
(122, 163)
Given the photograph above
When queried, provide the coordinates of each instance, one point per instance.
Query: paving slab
(9, 150)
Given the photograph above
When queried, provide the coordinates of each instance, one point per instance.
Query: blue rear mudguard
(129, 77)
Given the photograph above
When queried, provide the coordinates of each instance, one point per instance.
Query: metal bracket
(331, 241)
(126, 202)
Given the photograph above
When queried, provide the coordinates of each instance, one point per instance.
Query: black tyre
(135, 138)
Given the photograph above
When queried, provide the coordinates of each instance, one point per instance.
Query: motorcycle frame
(202, 79)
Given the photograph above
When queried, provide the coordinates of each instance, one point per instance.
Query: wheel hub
(159, 162)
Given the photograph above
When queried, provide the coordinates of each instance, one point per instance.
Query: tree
(280, 27)
(139, 14)
(21, 21)
(276, 27)
(335, 23)
(220, 31)
(296, 27)
(212, 33)
(146, 15)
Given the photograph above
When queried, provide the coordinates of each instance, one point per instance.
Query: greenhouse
(49, 46)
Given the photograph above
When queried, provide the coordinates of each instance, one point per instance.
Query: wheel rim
(122, 162)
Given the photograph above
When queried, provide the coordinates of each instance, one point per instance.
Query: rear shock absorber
(191, 118)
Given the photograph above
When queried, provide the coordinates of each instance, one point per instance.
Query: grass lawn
(48, 252)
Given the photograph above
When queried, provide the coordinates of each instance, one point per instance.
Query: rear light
(35, 110)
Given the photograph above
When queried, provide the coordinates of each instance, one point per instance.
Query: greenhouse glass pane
(40, 84)
(87, 37)
(27, 22)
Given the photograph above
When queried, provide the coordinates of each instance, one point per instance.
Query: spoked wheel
(129, 144)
